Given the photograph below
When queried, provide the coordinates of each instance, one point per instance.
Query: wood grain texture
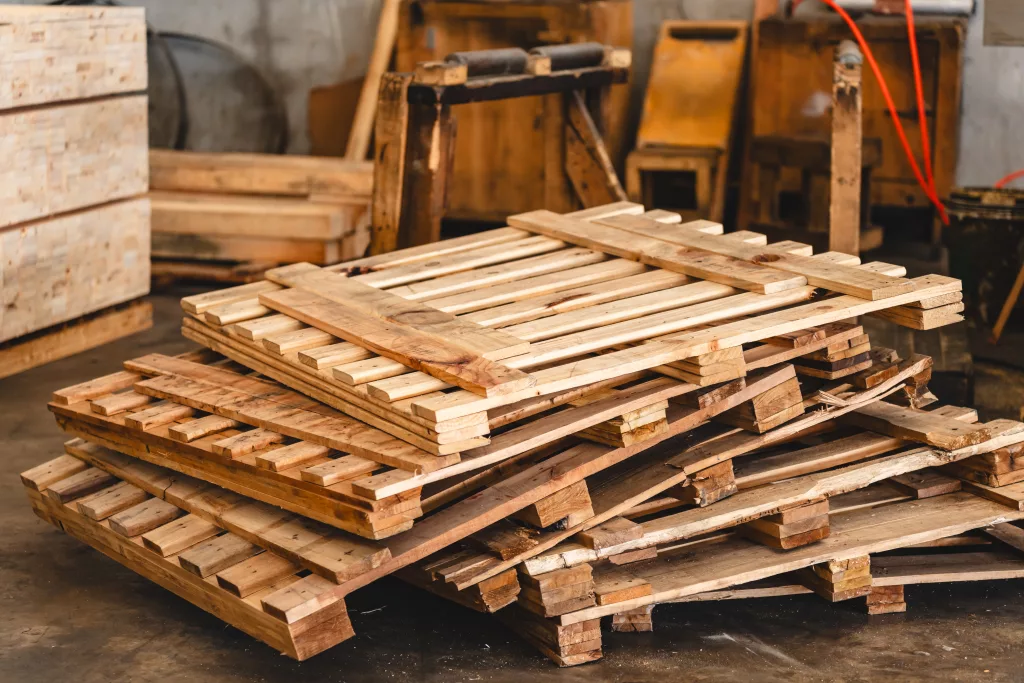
(62, 268)
(73, 156)
(53, 55)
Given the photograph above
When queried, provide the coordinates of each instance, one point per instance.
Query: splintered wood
(576, 416)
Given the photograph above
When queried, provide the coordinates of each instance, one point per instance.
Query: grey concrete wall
(992, 124)
(297, 44)
(300, 44)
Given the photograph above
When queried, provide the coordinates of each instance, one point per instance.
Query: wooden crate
(792, 77)
(56, 54)
(508, 154)
(60, 268)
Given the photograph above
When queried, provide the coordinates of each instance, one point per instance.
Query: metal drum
(986, 247)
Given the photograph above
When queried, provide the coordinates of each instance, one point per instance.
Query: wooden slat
(293, 455)
(217, 554)
(266, 405)
(110, 501)
(411, 348)
(489, 344)
(144, 517)
(256, 573)
(182, 533)
(845, 279)
(716, 268)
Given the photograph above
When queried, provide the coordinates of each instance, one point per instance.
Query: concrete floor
(71, 614)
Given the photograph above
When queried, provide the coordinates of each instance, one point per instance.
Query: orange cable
(890, 103)
(1009, 179)
(922, 118)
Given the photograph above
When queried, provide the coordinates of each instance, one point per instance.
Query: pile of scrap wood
(230, 217)
(74, 222)
(577, 416)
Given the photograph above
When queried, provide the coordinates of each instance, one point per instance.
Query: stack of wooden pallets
(230, 217)
(74, 226)
(573, 417)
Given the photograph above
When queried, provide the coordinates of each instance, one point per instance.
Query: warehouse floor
(70, 613)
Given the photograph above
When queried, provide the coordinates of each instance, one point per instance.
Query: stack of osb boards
(458, 412)
(230, 217)
(74, 227)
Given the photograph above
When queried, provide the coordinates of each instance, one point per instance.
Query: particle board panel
(57, 54)
(71, 156)
(57, 269)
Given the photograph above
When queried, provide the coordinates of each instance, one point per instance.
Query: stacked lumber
(230, 217)
(74, 230)
(575, 417)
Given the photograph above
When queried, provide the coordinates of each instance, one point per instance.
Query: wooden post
(430, 151)
(847, 142)
(390, 135)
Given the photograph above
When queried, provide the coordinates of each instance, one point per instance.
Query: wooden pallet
(181, 549)
(76, 336)
(574, 298)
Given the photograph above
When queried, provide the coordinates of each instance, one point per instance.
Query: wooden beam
(847, 142)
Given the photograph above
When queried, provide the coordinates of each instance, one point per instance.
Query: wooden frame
(415, 139)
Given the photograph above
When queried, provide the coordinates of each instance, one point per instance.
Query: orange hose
(928, 187)
(1009, 179)
(922, 118)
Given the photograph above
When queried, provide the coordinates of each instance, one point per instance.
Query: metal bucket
(985, 238)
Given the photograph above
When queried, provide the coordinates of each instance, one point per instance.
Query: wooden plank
(258, 174)
(95, 388)
(110, 501)
(847, 153)
(409, 347)
(204, 426)
(376, 79)
(201, 303)
(297, 340)
(79, 484)
(245, 443)
(390, 131)
(685, 345)
(256, 573)
(209, 216)
(217, 554)
(339, 469)
(838, 278)
(293, 455)
(176, 536)
(489, 344)
(145, 516)
(157, 415)
(41, 477)
(656, 252)
(920, 426)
